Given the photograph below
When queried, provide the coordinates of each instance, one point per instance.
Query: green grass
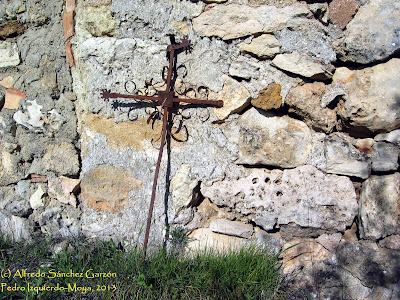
(249, 273)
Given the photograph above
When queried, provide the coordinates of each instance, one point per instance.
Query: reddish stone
(13, 96)
(341, 12)
(70, 55)
(38, 178)
(68, 24)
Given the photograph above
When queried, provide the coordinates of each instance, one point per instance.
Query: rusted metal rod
(153, 192)
(217, 103)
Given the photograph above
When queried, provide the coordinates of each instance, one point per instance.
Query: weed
(106, 271)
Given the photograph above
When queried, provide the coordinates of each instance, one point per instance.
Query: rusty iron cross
(168, 101)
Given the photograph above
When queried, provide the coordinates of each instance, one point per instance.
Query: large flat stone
(234, 228)
(275, 141)
(233, 20)
(204, 239)
(304, 196)
(380, 206)
(372, 100)
(303, 65)
(345, 159)
(373, 34)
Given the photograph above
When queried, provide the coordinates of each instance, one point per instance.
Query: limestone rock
(233, 21)
(350, 235)
(63, 189)
(385, 157)
(235, 97)
(304, 101)
(275, 141)
(98, 21)
(12, 202)
(304, 196)
(392, 137)
(366, 41)
(182, 186)
(332, 93)
(302, 253)
(320, 11)
(106, 188)
(9, 56)
(391, 242)
(15, 228)
(329, 241)
(7, 82)
(36, 200)
(271, 242)
(32, 117)
(379, 206)
(345, 159)
(10, 169)
(61, 159)
(270, 98)
(311, 38)
(12, 98)
(303, 65)
(234, 228)
(204, 238)
(311, 270)
(243, 68)
(341, 12)
(373, 265)
(370, 92)
(263, 46)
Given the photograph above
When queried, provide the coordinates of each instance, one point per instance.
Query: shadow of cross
(167, 100)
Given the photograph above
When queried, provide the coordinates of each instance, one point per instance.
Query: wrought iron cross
(167, 100)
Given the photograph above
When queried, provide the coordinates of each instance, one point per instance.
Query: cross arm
(217, 103)
(107, 95)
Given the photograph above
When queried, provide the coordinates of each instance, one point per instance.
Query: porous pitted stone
(98, 21)
(304, 196)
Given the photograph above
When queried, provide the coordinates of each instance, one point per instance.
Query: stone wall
(304, 152)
